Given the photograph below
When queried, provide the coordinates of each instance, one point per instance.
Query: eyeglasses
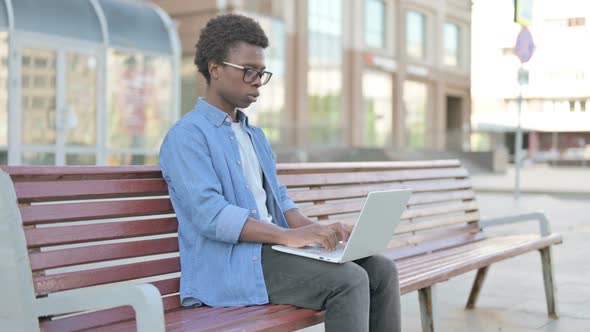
(251, 74)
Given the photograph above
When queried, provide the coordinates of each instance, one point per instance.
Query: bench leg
(428, 309)
(477, 283)
(549, 281)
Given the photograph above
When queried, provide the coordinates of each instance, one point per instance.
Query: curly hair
(221, 34)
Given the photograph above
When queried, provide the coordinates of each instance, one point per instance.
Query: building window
(452, 45)
(415, 102)
(324, 80)
(3, 98)
(139, 106)
(378, 108)
(267, 112)
(375, 23)
(415, 34)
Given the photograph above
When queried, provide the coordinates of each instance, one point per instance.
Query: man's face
(230, 86)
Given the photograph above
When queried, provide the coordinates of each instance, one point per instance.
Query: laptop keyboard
(337, 252)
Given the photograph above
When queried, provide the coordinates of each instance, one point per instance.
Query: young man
(231, 207)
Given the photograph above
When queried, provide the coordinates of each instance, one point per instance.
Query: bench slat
(330, 209)
(305, 196)
(52, 213)
(412, 240)
(50, 236)
(71, 280)
(398, 253)
(52, 173)
(511, 246)
(168, 286)
(101, 252)
(439, 209)
(301, 168)
(283, 321)
(323, 179)
(186, 320)
(446, 221)
(92, 189)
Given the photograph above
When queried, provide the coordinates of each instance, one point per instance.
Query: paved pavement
(512, 298)
(538, 179)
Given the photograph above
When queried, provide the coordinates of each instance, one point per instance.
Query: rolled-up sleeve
(195, 189)
(286, 202)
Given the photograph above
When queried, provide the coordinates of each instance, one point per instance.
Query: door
(58, 104)
(454, 123)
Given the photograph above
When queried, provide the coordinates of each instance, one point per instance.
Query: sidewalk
(538, 179)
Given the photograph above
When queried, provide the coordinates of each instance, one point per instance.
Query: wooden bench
(89, 238)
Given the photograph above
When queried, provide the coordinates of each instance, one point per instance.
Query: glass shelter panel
(80, 110)
(3, 15)
(140, 104)
(3, 97)
(134, 25)
(38, 91)
(48, 17)
(3, 89)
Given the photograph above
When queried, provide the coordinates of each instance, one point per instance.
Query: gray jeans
(359, 296)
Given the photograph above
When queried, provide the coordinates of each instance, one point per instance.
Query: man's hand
(327, 236)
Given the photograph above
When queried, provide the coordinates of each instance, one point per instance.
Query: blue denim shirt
(201, 163)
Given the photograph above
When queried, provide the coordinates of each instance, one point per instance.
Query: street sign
(524, 45)
(523, 76)
(523, 12)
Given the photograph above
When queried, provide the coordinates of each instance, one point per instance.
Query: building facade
(350, 75)
(555, 111)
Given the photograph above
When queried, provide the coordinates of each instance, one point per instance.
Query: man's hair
(221, 34)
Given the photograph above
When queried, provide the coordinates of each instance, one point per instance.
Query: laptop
(372, 232)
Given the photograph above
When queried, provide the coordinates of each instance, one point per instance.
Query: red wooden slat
(282, 321)
(74, 190)
(410, 251)
(47, 236)
(100, 318)
(324, 179)
(220, 320)
(168, 286)
(49, 173)
(43, 214)
(334, 167)
(213, 318)
(71, 280)
(101, 252)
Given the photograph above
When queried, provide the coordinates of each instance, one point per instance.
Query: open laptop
(371, 234)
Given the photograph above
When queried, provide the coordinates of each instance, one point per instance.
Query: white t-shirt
(252, 170)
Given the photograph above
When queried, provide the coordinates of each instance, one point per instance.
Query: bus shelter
(85, 82)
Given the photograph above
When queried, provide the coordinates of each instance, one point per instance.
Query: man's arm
(296, 219)
(303, 232)
(263, 232)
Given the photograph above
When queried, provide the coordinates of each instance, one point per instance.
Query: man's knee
(381, 265)
(352, 276)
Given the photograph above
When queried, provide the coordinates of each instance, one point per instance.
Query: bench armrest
(145, 300)
(540, 217)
